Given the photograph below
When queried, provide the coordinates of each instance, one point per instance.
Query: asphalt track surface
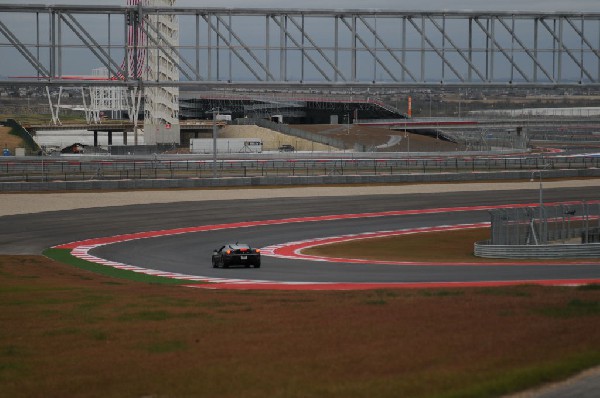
(190, 253)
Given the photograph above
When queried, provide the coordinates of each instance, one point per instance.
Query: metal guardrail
(557, 251)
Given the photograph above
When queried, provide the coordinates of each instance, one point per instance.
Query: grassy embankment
(12, 137)
(8, 140)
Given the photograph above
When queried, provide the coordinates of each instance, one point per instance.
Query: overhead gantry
(280, 48)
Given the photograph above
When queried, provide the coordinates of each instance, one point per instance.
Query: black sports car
(236, 254)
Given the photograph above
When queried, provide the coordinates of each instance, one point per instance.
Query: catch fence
(555, 223)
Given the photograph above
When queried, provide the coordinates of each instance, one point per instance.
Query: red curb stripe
(80, 249)
(398, 285)
(204, 228)
(293, 250)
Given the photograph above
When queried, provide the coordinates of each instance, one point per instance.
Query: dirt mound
(272, 140)
(383, 138)
(9, 141)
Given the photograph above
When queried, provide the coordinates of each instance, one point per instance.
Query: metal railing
(330, 48)
(482, 249)
(78, 168)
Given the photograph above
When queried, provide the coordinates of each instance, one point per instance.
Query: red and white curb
(294, 250)
(82, 252)
(81, 249)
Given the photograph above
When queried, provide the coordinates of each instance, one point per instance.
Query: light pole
(541, 187)
(348, 123)
(541, 231)
(43, 171)
(214, 136)
(540, 239)
(430, 105)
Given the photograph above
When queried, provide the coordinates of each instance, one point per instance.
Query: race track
(189, 253)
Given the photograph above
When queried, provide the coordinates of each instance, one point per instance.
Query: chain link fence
(556, 223)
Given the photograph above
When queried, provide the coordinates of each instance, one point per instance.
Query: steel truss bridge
(250, 47)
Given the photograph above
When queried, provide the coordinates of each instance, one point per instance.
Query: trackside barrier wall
(90, 166)
(118, 150)
(99, 184)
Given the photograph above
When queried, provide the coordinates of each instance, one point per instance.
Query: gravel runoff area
(27, 203)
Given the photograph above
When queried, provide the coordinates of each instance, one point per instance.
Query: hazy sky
(461, 5)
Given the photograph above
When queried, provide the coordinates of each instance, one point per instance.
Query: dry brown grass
(448, 246)
(67, 332)
(8, 140)
(377, 135)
